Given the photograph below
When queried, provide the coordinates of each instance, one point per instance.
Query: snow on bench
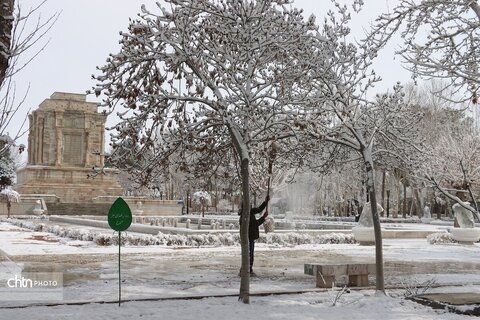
(325, 273)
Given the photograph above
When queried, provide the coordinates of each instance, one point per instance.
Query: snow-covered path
(311, 306)
(90, 274)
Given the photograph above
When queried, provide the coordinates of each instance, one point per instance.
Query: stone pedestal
(37, 210)
(69, 184)
(465, 235)
(365, 236)
(426, 220)
(138, 211)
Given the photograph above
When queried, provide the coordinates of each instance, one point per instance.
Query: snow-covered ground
(357, 305)
(154, 272)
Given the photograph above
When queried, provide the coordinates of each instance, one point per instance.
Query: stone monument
(65, 141)
(466, 233)
(364, 232)
(427, 214)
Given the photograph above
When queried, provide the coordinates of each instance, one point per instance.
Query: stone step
(93, 209)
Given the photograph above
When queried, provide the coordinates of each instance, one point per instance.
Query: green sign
(119, 215)
(119, 219)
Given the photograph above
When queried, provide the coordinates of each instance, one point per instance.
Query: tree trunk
(245, 218)
(419, 203)
(367, 157)
(388, 203)
(216, 197)
(384, 176)
(242, 151)
(6, 24)
(404, 213)
(399, 200)
(439, 209)
(476, 8)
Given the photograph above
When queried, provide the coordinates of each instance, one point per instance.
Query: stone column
(39, 138)
(31, 146)
(58, 139)
(87, 156)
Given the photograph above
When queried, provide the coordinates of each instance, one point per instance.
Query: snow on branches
(200, 82)
(441, 39)
(192, 79)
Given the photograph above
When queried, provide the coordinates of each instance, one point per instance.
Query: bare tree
(441, 40)
(451, 141)
(344, 115)
(381, 130)
(210, 78)
(21, 40)
(453, 167)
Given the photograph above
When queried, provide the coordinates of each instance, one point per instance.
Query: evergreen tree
(7, 167)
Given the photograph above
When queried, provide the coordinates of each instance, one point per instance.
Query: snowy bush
(440, 238)
(193, 240)
(292, 238)
(39, 227)
(336, 238)
(9, 195)
(103, 239)
(202, 198)
(414, 287)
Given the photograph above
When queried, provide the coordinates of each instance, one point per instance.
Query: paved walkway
(91, 273)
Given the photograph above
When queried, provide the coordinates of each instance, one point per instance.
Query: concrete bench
(325, 273)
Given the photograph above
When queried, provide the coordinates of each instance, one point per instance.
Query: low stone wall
(407, 234)
(150, 207)
(24, 207)
(134, 227)
(96, 207)
(149, 229)
(78, 209)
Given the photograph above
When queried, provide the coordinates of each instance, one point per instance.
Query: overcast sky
(88, 30)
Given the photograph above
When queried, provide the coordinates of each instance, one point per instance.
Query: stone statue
(464, 216)
(466, 233)
(138, 211)
(366, 218)
(364, 232)
(37, 210)
(426, 212)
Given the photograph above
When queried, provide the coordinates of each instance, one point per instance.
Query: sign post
(119, 219)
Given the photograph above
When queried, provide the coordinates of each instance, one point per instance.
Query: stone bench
(325, 273)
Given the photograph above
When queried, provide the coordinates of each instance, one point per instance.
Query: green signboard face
(119, 215)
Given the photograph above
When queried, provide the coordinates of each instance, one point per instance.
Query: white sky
(87, 31)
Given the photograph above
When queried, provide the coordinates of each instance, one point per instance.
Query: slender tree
(210, 78)
(344, 115)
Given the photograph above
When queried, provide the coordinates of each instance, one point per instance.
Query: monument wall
(65, 141)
